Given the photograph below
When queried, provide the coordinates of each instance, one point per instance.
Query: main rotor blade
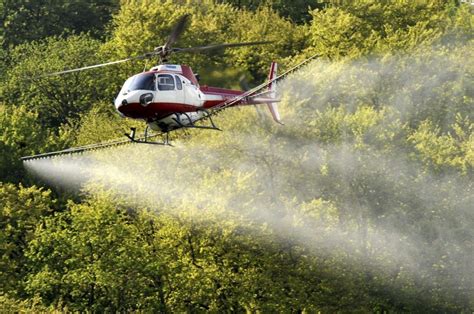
(220, 46)
(177, 30)
(100, 65)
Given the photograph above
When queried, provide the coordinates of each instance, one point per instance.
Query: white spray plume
(366, 201)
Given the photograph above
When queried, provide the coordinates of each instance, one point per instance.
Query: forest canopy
(361, 202)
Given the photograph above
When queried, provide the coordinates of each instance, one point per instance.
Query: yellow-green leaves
(363, 28)
(452, 149)
(21, 208)
(21, 134)
(336, 33)
(93, 254)
(56, 98)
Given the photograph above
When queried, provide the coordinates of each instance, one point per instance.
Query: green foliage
(362, 28)
(24, 21)
(21, 134)
(55, 98)
(21, 208)
(286, 40)
(456, 150)
(297, 11)
(335, 33)
(92, 255)
(102, 123)
(9, 304)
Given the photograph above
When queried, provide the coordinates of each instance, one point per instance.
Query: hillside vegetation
(361, 202)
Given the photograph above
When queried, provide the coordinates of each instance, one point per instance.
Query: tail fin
(272, 106)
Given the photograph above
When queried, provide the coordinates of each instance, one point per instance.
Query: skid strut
(145, 138)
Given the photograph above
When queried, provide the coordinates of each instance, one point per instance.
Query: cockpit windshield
(145, 81)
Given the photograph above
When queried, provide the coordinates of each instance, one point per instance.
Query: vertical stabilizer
(272, 106)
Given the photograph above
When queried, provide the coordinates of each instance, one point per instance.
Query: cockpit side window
(165, 82)
(179, 85)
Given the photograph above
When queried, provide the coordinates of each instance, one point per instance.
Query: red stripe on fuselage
(212, 103)
(154, 110)
(159, 110)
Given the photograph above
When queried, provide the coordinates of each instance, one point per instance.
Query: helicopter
(169, 97)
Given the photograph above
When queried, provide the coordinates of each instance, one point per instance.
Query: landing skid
(145, 138)
(180, 125)
(191, 124)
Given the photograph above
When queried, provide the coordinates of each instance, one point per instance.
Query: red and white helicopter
(168, 96)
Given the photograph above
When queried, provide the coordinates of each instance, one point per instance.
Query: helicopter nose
(121, 103)
(120, 106)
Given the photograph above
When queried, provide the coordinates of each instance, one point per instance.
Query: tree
(21, 209)
(25, 21)
(336, 33)
(21, 135)
(297, 11)
(446, 150)
(92, 257)
(57, 98)
(359, 29)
